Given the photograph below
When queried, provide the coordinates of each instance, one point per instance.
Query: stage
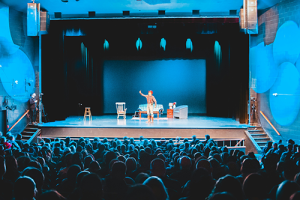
(109, 126)
(111, 121)
(220, 129)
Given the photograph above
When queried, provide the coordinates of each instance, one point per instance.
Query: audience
(158, 188)
(149, 169)
(24, 188)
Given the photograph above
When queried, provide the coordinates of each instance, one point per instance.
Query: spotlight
(189, 44)
(57, 14)
(195, 12)
(105, 45)
(139, 44)
(65, 1)
(161, 12)
(163, 43)
(126, 13)
(92, 14)
(232, 12)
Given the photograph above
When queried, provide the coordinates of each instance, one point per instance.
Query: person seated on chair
(150, 100)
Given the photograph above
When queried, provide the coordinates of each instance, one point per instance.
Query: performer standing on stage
(150, 100)
(33, 108)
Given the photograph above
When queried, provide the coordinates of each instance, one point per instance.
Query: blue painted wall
(19, 61)
(181, 81)
(274, 66)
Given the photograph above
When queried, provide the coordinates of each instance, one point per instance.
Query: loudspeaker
(161, 12)
(33, 19)
(248, 17)
(92, 14)
(45, 22)
(242, 19)
(252, 16)
(57, 14)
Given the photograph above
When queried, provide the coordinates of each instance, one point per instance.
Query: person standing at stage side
(150, 100)
(33, 108)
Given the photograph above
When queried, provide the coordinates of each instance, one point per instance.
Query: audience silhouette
(146, 169)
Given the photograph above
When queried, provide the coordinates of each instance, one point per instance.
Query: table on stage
(145, 112)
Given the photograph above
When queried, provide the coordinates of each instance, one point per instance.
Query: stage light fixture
(218, 54)
(92, 14)
(163, 43)
(232, 12)
(65, 1)
(126, 13)
(57, 14)
(195, 12)
(105, 45)
(139, 44)
(161, 12)
(152, 26)
(189, 44)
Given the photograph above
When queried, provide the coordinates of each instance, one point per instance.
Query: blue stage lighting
(286, 44)
(7, 45)
(285, 95)
(74, 32)
(263, 69)
(105, 45)
(139, 44)
(17, 75)
(163, 43)
(189, 44)
(218, 54)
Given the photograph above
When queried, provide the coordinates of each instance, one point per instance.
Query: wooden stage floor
(109, 126)
(111, 121)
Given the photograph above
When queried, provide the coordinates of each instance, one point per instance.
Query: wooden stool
(87, 113)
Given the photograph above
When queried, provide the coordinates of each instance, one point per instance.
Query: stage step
(262, 144)
(252, 129)
(262, 135)
(258, 137)
(29, 132)
(265, 140)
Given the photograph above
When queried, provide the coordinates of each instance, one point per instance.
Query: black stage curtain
(72, 56)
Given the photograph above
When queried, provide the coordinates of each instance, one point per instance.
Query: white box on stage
(33, 19)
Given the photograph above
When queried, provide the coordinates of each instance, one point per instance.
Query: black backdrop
(227, 84)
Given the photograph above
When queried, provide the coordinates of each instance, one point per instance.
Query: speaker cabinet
(248, 17)
(242, 19)
(33, 19)
(45, 22)
(252, 16)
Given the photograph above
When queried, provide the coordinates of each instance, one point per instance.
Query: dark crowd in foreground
(147, 169)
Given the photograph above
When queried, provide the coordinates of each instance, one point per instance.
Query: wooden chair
(121, 110)
(87, 113)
